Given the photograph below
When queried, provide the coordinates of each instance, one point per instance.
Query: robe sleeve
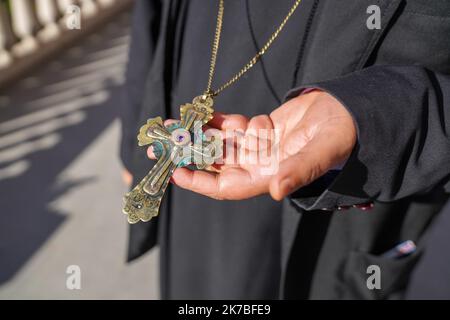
(402, 114)
(144, 34)
(145, 29)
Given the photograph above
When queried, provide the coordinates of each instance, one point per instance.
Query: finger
(224, 121)
(168, 122)
(127, 177)
(231, 184)
(233, 157)
(305, 166)
(259, 133)
(213, 133)
(202, 182)
(260, 122)
(150, 153)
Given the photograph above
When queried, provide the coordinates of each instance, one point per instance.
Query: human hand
(315, 134)
(127, 177)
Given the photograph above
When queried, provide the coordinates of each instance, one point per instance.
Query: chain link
(252, 62)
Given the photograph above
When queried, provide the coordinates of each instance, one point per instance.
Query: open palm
(277, 153)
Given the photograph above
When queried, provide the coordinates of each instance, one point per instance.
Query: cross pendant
(175, 145)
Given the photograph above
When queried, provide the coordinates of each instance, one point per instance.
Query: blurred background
(60, 176)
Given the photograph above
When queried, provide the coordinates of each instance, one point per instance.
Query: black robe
(259, 248)
(431, 277)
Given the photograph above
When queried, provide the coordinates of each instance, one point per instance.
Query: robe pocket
(360, 280)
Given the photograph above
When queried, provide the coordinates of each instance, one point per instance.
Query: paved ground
(60, 186)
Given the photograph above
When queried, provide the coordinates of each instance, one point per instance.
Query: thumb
(305, 166)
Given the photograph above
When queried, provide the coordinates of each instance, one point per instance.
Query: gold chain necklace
(173, 145)
(252, 62)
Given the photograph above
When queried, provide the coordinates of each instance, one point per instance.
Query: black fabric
(309, 240)
(353, 241)
(144, 34)
(431, 277)
(212, 249)
(405, 109)
(401, 160)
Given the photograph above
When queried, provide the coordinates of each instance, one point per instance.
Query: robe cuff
(401, 151)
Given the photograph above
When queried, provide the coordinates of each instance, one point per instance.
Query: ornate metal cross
(175, 145)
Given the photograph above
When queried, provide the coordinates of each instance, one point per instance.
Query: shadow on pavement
(46, 121)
